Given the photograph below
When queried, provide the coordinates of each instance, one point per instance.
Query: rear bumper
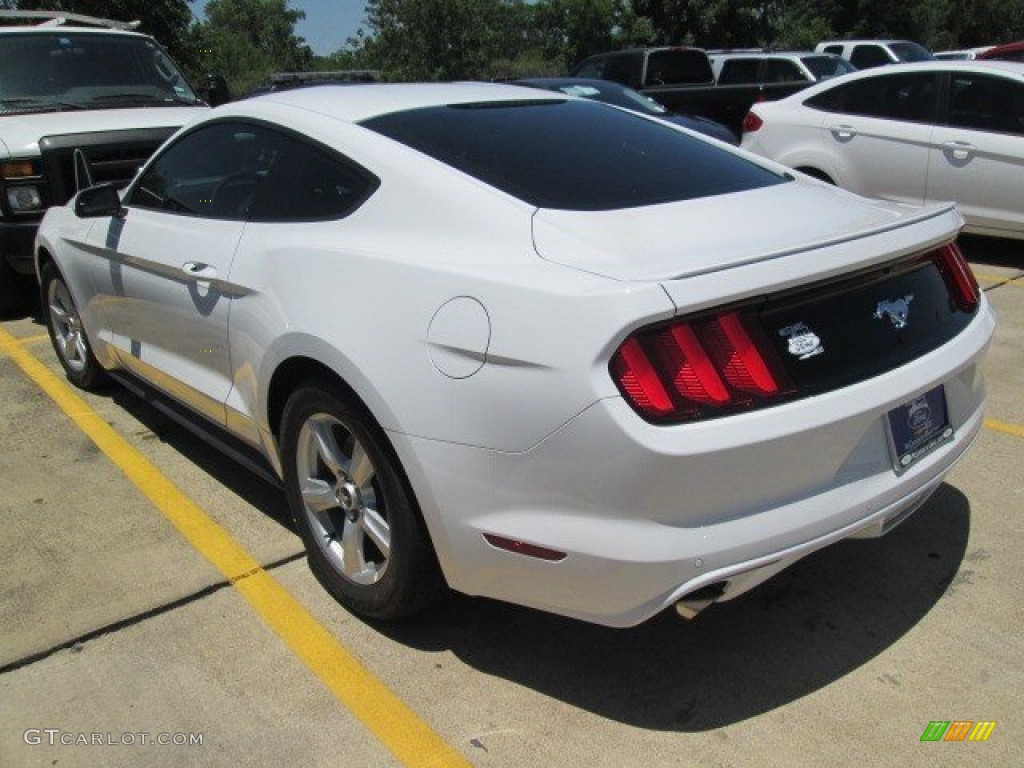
(647, 515)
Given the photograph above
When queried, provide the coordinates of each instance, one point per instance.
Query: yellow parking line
(385, 715)
(1002, 426)
(1005, 279)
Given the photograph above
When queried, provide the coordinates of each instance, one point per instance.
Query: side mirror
(102, 200)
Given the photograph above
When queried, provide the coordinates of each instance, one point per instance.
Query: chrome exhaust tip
(689, 606)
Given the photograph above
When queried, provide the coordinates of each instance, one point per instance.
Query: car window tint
(907, 97)
(676, 65)
(306, 183)
(836, 49)
(824, 67)
(867, 56)
(619, 69)
(782, 71)
(986, 103)
(573, 155)
(209, 172)
(738, 71)
(592, 68)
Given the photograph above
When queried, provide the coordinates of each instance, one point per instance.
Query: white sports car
(528, 346)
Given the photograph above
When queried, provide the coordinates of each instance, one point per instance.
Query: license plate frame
(917, 427)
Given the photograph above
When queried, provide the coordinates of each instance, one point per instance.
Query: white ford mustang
(528, 346)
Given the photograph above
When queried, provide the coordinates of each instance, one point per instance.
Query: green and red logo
(958, 730)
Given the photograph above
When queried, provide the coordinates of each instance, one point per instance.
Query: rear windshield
(573, 155)
(678, 66)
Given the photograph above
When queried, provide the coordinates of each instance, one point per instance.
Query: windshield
(824, 67)
(573, 155)
(80, 70)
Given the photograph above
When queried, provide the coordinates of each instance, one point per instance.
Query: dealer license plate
(918, 427)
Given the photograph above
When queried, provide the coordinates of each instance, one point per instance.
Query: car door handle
(199, 271)
(843, 132)
(960, 150)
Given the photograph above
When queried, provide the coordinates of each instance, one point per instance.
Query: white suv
(864, 54)
(81, 103)
(750, 67)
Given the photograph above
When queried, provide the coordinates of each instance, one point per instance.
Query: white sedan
(528, 346)
(917, 133)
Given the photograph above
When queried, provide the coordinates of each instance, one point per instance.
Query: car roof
(362, 101)
(39, 29)
(1005, 48)
(976, 65)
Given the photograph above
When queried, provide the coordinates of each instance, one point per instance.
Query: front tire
(66, 331)
(364, 536)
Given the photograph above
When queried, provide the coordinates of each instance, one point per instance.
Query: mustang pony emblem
(896, 310)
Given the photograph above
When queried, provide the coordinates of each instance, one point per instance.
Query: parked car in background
(745, 68)
(526, 346)
(917, 133)
(865, 54)
(82, 101)
(683, 80)
(620, 96)
(966, 54)
(1008, 52)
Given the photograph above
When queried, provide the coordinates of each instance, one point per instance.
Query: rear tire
(364, 536)
(66, 331)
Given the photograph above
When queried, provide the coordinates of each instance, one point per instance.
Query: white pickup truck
(83, 101)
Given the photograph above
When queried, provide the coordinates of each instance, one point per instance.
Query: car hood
(22, 132)
(692, 237)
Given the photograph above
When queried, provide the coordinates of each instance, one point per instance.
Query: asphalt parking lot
(157, 610)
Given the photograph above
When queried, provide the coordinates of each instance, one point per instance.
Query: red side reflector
(751, 123)
(523, 548)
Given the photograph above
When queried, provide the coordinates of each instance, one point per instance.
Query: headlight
(24, 199)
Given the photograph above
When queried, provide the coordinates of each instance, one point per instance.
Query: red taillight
(698, 369)
(751, 123)
(961, 281)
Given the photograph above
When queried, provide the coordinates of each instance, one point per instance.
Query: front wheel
(364, 537)
(66, 331)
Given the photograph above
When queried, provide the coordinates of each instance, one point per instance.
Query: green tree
(246, 40)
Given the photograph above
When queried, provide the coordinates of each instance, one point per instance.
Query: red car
(1008, 52)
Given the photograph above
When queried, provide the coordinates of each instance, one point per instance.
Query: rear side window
(824, 67)
(674, 66)
(738, 71)
(907, 97)
(573, 155)
(867, 56)
(782, 71)
(986, 103)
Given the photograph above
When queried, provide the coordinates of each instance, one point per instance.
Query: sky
(328, 23)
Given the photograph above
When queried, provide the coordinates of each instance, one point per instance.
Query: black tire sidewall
(400, 590)
(91, 374)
